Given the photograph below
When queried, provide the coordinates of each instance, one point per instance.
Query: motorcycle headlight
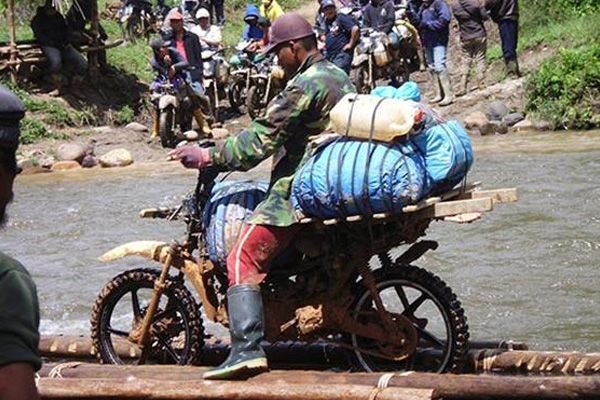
(277, 73)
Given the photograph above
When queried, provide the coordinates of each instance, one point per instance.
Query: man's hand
(192, 157)
(347, 47)
(172, 72)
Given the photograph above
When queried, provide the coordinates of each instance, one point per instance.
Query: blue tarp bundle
(230, 205)
(408, 91)
(354, 177)
(448, 154)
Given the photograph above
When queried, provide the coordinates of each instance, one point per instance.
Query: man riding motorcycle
(300, 111)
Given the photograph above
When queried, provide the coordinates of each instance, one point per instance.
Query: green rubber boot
(446, 88)
(436, 86)
(246, 327)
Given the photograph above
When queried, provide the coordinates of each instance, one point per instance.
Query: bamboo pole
(13, 42)
(93, 56)
(281, 355)
(447, 386)
(73, 389)
(535, 362)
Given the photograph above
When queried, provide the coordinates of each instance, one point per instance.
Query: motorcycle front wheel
(360, 78)
(237, 95)
(176, 332)
(432, 308)
(166, 128)
(256, 101)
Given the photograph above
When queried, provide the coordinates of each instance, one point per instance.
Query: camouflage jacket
(301, 110)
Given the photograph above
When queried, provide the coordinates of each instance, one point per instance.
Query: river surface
(528, 271)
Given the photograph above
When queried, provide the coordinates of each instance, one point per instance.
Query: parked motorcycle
(216, 76)
(376, 58)
(240, 70)
(397, 317)
(138, 20)
(266, 81)
(172, 101)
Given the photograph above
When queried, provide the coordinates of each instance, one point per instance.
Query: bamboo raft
(488, 364)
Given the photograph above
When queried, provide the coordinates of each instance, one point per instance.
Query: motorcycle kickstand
(159, 287)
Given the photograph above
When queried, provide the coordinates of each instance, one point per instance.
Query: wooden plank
(447, 208)
(126, 388)
(506, 195)
(463, 218)
(422, 204)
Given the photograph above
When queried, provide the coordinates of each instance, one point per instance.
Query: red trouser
(249, 260)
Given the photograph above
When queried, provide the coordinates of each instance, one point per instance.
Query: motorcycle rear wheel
(434, 311)
(134, 27)
(166, 128)
(177, 330)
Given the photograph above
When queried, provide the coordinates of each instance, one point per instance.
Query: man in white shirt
(209, 35)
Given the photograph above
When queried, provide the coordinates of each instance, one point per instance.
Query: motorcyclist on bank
(341, 36)
(251, 31)
(169, 64)
(209, 35)
(188, 46)
(300, 111)
(380, 15)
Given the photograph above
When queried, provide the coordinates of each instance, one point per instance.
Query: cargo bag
(355, 177)
(448, 154)
(230, 206)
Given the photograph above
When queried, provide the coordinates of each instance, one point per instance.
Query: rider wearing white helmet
(209, 35)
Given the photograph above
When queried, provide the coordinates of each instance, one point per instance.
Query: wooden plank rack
(461, 205)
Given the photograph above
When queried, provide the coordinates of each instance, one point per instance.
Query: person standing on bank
(434, 26)
(341, 36)
(299, 112)
(19, 309)
(506, 14)
(471, 15)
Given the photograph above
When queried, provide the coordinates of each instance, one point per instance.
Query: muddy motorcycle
(137, 20)
(173, 104)
(241, 67)
(322, 287)
(215, 78)
(375, 58)
(267, 80)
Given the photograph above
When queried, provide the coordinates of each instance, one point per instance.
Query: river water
(528, 271)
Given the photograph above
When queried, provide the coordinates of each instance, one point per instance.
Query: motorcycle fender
(259, 77)
(149, 249)
(166, 101)
(359, 59)
(158, 251)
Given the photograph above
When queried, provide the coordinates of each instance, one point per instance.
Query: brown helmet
(288, 27)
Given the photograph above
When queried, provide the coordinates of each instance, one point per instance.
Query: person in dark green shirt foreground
(19, 309)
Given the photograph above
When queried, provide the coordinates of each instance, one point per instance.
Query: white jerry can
(393, 117)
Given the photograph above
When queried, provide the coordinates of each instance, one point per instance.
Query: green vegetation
(52, 112)
(566, 88)
(123, 116)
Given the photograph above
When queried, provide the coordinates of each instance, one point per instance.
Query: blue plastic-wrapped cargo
(448, 154)
(230, 205)
(354, 177)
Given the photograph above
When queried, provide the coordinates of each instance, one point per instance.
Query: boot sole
(239, 371)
